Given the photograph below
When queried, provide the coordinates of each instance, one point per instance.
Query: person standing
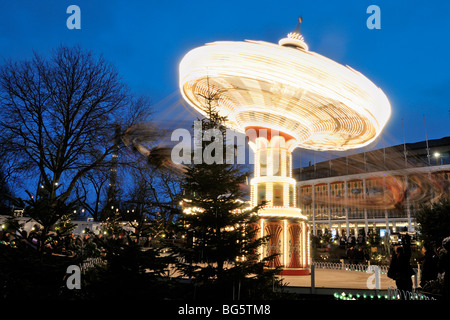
(400, 268)
(429, 266)
(351, 255)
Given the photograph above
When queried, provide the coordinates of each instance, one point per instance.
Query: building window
(263, 162)
(261, 195)
(276, 162)
(277, 194)
(291, 196)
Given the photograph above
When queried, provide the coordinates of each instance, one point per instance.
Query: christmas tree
(221, 254)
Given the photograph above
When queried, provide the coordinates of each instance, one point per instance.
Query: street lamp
(437, 155)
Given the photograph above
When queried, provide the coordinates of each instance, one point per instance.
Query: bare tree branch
(58, 113)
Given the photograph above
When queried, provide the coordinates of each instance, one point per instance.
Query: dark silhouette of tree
(434, 222)
(5, 195)
(91, 191)
(154, 199)
(59, 117)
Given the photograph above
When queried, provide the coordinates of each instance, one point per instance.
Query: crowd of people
(351, 241)
(435, 265)
(356, 254)
(86, 244)
(356, 248)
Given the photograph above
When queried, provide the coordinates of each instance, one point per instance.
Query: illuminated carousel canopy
(322, 104)
(311, 101)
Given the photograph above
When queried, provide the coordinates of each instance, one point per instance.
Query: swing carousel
(283, 96)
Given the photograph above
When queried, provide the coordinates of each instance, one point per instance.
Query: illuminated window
(276, 156)
(261, 187)
(263, 162)
(277, 194)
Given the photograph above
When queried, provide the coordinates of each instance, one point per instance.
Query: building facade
(377, 191)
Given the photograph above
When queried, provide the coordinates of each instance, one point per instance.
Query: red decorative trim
(295, 272)
(294, 248)
(268, 133)
(274, 230)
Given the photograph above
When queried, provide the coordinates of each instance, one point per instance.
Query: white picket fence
(90, 263)
(348, 266)
(396, 294)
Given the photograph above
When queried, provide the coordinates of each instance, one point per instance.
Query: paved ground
(339, 279)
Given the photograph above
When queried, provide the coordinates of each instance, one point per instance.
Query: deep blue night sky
(408, 57)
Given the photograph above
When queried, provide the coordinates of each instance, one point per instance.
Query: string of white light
(322, 104)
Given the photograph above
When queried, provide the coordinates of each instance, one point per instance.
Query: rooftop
(418, 154)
